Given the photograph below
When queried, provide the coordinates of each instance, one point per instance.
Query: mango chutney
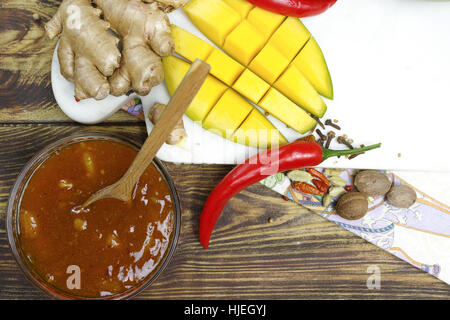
(107, 248)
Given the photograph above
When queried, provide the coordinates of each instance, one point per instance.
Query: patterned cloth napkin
(419, 235)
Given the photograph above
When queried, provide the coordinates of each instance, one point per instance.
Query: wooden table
(297, 256)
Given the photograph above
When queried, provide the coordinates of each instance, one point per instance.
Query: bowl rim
(34, 163)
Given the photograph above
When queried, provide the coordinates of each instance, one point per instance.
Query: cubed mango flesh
(251, 86)
(265, 21)
(296, 87)
(269, 63)
(311, 62)
(214, 18)
(258, 131)
(286, 111)
(243, 7)
(212, 89)
(290, 37)
(228, 114)
(189, 46)
(223, 67)
(244, 42)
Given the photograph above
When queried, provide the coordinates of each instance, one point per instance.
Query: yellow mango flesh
(223, 67)
(214, 18)
(189, 46)
(257, 131)
(228, 114)
(290, 37)
(242, 7)
(251, 86)
(269, 64)
(311, 62)
(294, 85)
(210, 92)
(265, 21)
(244, 42)
(288, 112)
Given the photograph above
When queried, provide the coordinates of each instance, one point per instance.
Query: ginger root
(87, 53)
(168, 5)
(178, 133)
(145, 32)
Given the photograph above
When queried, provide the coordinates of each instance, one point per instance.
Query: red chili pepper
(291, 156)
(322, 186)
(307, 188)
(295, 8)
(319, 175)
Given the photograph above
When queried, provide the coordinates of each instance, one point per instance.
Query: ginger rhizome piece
(178, 133)
(144, 30)
(168, 5)
(87, 52)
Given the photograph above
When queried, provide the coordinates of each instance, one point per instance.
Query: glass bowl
(13, 213)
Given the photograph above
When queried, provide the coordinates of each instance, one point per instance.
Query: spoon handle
(186, 92)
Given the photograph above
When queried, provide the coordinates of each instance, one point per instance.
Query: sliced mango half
(220, 108)
(260, 34)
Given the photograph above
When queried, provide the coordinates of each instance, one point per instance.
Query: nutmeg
(401, 196)
(372, 183)
(352, 206)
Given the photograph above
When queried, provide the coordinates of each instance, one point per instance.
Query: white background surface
(390, 65)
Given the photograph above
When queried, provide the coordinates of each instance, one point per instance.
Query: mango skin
(311, 62)
(284, 109)
(214, 18)
(210, 92)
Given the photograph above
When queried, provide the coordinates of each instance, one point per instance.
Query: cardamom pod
(299, 176)
(337, 181)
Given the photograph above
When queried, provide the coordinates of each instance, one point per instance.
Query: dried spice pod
(299, 176)
(401, 196)
(352, 206)
(372, 183)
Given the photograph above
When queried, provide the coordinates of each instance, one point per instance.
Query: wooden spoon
(177, 106)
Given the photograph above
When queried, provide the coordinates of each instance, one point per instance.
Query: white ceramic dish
(389, 64)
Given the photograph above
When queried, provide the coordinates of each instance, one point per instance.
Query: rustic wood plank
(25, 63)
(298, 256)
